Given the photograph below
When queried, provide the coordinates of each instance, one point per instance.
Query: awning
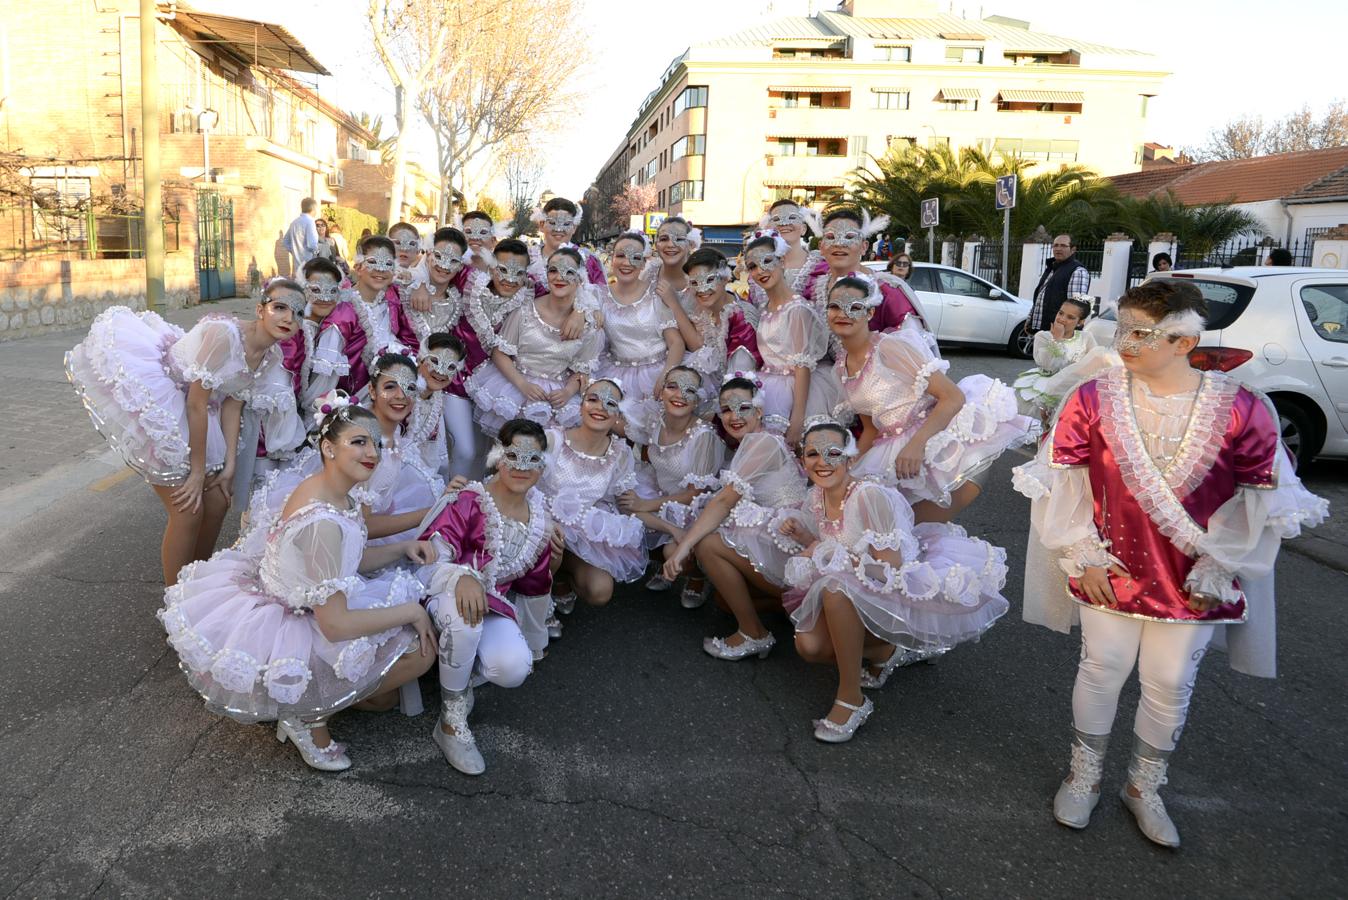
(962, 36)
(809, 88)
(958, 94)
(260, 43)
(890, 90)
(814, 183)
(1040, 96)
(807, 137)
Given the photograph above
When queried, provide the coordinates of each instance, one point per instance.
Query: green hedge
(352, 222)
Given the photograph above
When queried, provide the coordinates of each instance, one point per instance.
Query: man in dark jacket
(1063, 277)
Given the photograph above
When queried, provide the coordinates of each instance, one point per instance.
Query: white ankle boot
(1077, 799)
(459, 748)
(1147, 776)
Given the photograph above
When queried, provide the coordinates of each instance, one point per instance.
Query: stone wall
(42, 295)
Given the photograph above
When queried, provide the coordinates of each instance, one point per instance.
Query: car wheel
(1298, 432)
(1021, 344)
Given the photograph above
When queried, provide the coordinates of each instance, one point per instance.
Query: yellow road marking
(107, 482)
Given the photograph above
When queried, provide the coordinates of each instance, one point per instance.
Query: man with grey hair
(301, 240)
(1063, 277)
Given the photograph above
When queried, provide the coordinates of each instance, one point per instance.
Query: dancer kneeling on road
(868, 586)
(281, 625)
(588, 468)
(490, 587)
(741, 555)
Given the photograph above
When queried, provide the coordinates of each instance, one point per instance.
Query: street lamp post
(206, 121)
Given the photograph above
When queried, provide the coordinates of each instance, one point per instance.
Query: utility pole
(149, 130)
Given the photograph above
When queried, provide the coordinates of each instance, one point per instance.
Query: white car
(1281, 330)
(964, 309)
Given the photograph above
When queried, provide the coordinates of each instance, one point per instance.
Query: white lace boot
(1077, 798)
(1146, 773)
(459, 748)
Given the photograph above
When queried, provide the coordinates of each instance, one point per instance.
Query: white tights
(1167, 657)
(458, 416)
(494, 646)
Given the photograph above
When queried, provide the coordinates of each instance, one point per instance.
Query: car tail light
(1220, 359)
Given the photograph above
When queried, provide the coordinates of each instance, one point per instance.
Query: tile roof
(1269, 177)
(1335, 184)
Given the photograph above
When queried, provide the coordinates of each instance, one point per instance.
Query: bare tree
(515, 81)
(1301, 130)
(524, 180)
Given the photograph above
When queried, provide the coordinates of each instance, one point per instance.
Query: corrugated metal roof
(827, 24)
(964, 93)
(260, 43)
(1041, 96)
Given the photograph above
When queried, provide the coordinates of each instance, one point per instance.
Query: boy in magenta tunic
(1165, 492)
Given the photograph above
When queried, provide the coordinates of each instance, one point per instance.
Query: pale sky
(1228, 57)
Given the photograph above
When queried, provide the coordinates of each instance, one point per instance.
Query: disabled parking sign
(1006, 191)
(931, 212)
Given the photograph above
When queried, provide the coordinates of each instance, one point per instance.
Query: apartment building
(790, 107)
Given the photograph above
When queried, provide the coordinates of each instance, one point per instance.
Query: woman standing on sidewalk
(171, 402)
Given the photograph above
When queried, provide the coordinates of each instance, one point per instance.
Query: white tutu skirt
(826, 395)
(637, 382)
(987, 425)
(497, 401)
(610, 541)
(121, 372)
(749, 532)
(254, 659)
(680, 515)
(949, 593)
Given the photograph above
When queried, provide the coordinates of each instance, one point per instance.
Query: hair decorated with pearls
(336, 408)
(748, 376)
(816, 424)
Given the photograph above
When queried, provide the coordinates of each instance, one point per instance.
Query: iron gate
(215, 246)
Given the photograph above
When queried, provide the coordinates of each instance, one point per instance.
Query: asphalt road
(631, 764)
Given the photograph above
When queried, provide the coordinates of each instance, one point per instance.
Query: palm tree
(1199, 228)
(374, 125)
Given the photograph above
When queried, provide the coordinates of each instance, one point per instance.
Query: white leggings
(1167, 657)
(458, 416)
(494, 646)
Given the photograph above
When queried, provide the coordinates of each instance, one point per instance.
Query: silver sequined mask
(705, 284)
(777, 220)
(853, 307)
(511, 273)
(1134, 334)
(380, 261)
(686, 383)
(607, 395)
(559, 223)
(477, 232)
(291, 299)
(824, 443)
(524, 454)
(323, 291)
(443, 363)
(569, 271)
(450, 260)
(406, 381)
(671, 239)
(762, 258)
(849, 238)
(741, 408)
(631, 257)
(407, 245)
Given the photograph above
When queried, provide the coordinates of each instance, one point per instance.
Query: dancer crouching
(741, 555)
(490, 587)
(868, 586)
(1166, 492)
(283, 627)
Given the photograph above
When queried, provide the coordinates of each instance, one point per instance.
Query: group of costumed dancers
(437, 452)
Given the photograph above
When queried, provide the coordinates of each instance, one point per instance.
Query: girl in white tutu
(1064, 356)
(793, 223)
(867, 585)
(490, 586)
(437, 304)
(717, 333)
(535, 372)
(643, 340)
(557, 222)
(744, 557)
(922, 432)
(282, 626)
(792, 338)
(680, 457)
(588, 467)
(171, 404)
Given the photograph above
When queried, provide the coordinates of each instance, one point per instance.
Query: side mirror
(995, 294)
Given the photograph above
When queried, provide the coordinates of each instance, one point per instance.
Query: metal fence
(1245, 250)
(988, 264)
(76, 232)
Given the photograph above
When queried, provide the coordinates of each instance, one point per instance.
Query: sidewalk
(48, 448)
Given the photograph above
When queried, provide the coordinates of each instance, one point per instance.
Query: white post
(1331, 249)
(1165, 242)
(948, 253)
(1032, 258)
(1114, 269)
(969, 257)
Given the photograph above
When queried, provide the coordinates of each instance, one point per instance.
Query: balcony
(807, 119)
(822, 170)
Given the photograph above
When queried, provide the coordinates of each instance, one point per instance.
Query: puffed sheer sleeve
(591, 343)
(624, 475)
(507, 340)
(1058, 483)
(806, 336)
(330, 362)
(759, 455)
(316, 564)
(211, 353)
(1047, 353)
(704, 457)
(883, 521)
(906, 354)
